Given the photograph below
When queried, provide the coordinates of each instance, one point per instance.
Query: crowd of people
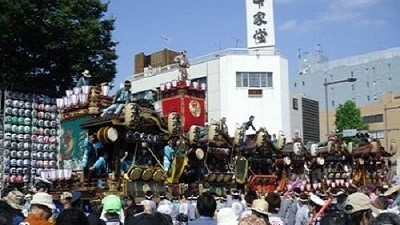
(352, 206)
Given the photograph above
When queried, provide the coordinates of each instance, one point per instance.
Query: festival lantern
(105, 89)
(162, 87)
(53, 174)
(44, 174)
(315, 186)
(168, 85)
(83, 99)
(203, 86)
(67, 174)
(328, 182)
(86, 89)
(60, 103)
(174, 83)
(65, 102)
(69, 92)
(60, 174)
(74, 99)
(196, 85)
(77, 90)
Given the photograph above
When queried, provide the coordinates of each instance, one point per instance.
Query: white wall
(271, 110)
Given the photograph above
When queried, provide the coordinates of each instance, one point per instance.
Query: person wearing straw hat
(13, 205)
(42, 207)
(393, 194)
(121, 98)
(84, 80)
(259, 208)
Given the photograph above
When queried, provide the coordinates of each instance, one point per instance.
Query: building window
(295, 84)
(368, 98)
(352, 73)
(304, 83)
(377, 118)
(353, 87)
(378, 134)
(254, 79)
(333, 103)
(367, 84)
(295, 104)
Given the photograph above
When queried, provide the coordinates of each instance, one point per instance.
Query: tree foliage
(45, 44)
(348, 116)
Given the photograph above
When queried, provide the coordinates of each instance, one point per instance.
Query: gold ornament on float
(195, 108)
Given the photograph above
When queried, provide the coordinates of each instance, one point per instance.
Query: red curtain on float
(190, 108)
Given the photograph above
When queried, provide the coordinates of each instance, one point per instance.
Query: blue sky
(344, 28)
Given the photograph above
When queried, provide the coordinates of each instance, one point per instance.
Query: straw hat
(392, 190)
(86, 73)
(42, 198)
(14, 199)
(260, 206)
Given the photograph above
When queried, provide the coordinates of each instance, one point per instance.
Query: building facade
(304, 116)
(240, 83)
(377, 75)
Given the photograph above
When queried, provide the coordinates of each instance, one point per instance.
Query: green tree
(45, 44)
(348, 116)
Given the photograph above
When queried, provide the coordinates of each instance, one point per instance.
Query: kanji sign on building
(260, 23)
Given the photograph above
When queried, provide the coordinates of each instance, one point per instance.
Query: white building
(240, 83)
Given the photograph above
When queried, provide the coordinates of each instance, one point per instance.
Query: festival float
(43, 137)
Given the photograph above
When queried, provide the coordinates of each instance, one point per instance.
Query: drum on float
(159, 175)
(197, 153)
(135, 172)
(107, 134)
(147, 174)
